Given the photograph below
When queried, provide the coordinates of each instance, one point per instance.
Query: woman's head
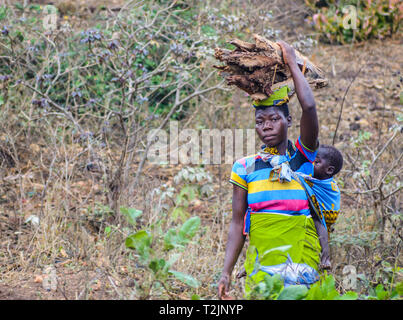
(272, 123)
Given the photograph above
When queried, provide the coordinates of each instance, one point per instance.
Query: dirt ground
(72, 285)
(83, 280)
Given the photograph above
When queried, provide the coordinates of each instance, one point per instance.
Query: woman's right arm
(235, 241)
(309, 126)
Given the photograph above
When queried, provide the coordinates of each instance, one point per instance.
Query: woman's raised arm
(309, 130)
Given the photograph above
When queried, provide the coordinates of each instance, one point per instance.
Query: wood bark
(258, 68)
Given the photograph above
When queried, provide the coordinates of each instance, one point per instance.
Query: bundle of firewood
(259, 69)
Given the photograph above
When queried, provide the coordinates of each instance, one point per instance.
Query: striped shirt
(266, 194)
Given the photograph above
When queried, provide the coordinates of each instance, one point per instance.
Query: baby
(325, 196)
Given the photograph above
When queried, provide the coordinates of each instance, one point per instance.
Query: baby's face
(320, 166)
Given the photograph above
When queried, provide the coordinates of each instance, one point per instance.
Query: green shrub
(158, 264)
(374, 19)
(272, 288)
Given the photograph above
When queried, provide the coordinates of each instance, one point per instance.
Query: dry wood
(258, 68)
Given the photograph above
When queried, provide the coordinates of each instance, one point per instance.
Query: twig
(392, 167)
(274, 74)
(359, 192)
(58, 107)
(342, 104)
(384, 148)
(177, 104)
(393, 192)
(114, 287)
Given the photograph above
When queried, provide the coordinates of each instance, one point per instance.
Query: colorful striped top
(266, 194)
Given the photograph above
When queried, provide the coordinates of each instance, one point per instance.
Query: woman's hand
(223, 287)
(289, 56)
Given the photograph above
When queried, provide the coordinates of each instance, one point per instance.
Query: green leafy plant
(387, 288)
(380, 293)
(131, 214)
(269, 289)
(272, 288)
(158, 265)
(375, 19)
(175, 238)
(325, 289)
(195, 183)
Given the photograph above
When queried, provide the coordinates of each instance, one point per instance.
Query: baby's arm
(324, 243)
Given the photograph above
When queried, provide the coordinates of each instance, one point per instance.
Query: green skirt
(278, 242)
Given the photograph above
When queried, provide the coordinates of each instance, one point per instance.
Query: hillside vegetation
(79, 196)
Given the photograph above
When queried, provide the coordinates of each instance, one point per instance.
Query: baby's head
(328, 162)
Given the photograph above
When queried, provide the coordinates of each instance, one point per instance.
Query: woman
(281, 231)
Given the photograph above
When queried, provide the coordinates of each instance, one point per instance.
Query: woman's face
(272, 126)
